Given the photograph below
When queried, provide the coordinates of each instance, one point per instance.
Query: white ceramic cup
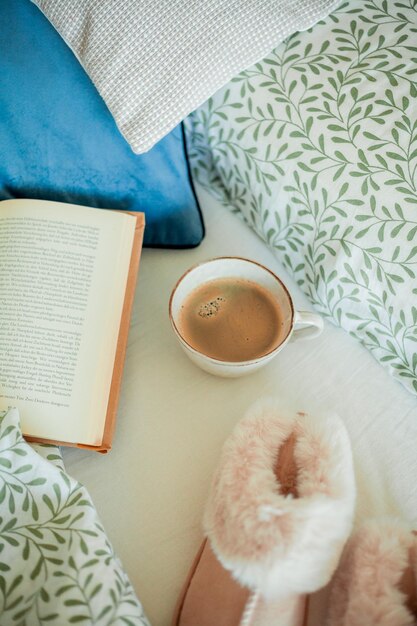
(297, 324)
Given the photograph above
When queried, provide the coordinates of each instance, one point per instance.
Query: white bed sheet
(173, 418)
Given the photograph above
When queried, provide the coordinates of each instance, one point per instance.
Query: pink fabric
(366, 590)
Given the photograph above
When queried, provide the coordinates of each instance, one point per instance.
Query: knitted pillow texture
(155, 62)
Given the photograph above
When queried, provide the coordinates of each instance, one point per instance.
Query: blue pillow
(58, 140)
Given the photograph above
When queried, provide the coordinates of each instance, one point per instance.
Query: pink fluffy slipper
(278, 515)
(375, 583)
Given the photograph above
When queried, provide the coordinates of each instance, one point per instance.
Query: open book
(67, 280)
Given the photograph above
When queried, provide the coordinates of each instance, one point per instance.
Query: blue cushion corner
(62, 143)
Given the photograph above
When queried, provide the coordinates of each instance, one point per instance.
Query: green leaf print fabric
(316, 147)
(56, 564)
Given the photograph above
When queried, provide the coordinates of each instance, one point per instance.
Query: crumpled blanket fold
(57, 565)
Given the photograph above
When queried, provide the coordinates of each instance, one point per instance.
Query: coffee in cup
(232, 316)
(231, 319)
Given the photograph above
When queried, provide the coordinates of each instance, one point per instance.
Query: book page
(63, 272)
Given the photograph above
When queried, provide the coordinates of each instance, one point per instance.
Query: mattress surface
(173, 418)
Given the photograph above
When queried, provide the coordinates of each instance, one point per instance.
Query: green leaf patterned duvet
(57, 566)
(316, 147)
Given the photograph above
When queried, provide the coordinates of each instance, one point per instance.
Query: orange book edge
(121, 347)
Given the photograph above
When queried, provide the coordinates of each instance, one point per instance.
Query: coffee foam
(231, 319)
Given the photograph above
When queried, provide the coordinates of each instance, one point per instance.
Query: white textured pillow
(154, 62)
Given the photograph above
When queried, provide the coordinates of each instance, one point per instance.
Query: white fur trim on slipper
(366, 590)
(278, 544)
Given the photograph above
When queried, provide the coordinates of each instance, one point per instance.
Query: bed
(261, 183)
(173, 419)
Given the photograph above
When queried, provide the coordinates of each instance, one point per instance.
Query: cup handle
(311, 325)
